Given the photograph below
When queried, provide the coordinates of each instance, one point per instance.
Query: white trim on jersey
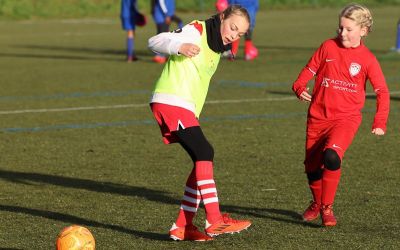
(163, 6)
(312, 71)
(172, 100)
(169, 42)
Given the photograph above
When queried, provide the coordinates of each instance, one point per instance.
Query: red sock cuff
(204, 170)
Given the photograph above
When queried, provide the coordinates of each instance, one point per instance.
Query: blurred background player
(250, 51)
(341, 67)
(163, 12)
(398, 37)
(178, 98)
(130, 17)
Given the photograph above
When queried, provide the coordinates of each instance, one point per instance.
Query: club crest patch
(354, 69)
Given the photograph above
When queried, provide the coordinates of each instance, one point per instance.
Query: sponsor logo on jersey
(325, 82)
(330, 60)
(336, 146)
(354, 69)
(339, 85)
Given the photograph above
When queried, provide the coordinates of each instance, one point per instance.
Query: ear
(364, 31)
(221, 16)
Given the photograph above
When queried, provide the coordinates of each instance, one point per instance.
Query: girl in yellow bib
(178, 98)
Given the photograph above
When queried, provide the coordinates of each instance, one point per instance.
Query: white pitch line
(140, 105)
(22, 111)
(253, 100)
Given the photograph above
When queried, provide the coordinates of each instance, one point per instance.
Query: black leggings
(195, 143)
(162, 27)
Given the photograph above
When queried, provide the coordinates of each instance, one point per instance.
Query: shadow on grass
(89, 54)
(277, 92)
(85, 50)
(280, 215)
(70, 219)
(90, 185)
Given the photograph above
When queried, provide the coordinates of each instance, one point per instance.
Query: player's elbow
(153, 44)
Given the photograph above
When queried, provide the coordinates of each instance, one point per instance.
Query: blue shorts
(251, 6)
(158, 17)
(128, 14)
(128, 23)
(252, 13)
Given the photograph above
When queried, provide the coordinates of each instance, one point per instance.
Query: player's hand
(305, 96)
(189, 50)
(378, 131)
(168, 20)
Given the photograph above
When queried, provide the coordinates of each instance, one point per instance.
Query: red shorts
(336, 135)
(172, 118)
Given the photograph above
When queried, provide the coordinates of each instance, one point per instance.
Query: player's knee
(331, 160)
(314, 176)
(205, 152)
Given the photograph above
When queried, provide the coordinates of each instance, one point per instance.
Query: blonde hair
(358, 13)
(235, 9)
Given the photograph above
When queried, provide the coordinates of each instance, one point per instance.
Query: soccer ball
(75, 238)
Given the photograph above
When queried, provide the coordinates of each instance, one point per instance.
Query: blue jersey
(162, 9)
(251, 6)
(128, 14)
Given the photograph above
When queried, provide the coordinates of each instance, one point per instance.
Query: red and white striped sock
(208, 190)
(190, 202)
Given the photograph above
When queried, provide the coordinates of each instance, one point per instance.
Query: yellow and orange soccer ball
(75, 237)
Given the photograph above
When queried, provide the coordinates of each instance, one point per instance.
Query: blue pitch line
(76, 95)
(147, 122)
(151, 122)
(131, 92)
(251, 84)
(224, 83)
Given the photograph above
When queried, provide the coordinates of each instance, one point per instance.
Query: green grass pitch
(79, 146)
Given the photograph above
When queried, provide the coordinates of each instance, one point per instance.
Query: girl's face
(350, 33)
(233, 27)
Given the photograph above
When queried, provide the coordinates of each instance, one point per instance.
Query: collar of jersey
(214, 38)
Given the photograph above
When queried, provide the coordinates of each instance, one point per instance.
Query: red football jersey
(341, 76)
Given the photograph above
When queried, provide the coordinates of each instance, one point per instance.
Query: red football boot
(226, 225)
(312, 212)
(189, 232)
(328, 218)
(250, 51)
(131, 58)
